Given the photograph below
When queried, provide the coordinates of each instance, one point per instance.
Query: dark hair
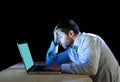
(67, 25)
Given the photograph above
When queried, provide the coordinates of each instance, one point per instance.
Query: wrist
(55, 42)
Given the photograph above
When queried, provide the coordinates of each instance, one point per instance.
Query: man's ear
(71, 33)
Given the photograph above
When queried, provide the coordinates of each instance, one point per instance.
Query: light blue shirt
(89, 55)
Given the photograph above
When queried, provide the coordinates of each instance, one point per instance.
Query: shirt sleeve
(53, 58)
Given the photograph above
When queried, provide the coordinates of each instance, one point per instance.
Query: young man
(85, 53)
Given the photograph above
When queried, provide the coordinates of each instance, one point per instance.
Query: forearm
(51, 53)
(84, 63)
(53, 58)
(78, 69)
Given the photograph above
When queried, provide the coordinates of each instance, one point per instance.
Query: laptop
(30, 66)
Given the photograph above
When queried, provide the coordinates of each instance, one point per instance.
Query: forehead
(59, 32)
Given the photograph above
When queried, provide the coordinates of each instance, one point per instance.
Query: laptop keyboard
(39, 68)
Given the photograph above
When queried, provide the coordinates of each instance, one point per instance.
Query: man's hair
(67, 25)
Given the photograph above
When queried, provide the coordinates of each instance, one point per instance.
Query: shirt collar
(76, 40)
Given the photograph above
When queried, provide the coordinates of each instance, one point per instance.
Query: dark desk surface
(17, 73)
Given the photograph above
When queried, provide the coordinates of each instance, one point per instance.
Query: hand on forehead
(56, 30)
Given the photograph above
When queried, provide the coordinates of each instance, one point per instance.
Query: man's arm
(53, 58)
(51, 53)
(85, 59)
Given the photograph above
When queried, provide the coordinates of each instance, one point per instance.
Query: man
(85, 53)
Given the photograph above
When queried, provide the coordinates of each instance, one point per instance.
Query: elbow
(92, 71)
(86, 70)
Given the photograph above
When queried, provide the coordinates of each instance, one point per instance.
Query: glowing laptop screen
(26, 55)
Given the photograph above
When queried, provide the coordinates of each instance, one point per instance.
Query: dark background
(35, 25)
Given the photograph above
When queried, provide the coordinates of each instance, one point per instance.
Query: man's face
(64, 40)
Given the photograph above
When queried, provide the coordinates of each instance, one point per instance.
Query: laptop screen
(26, 54)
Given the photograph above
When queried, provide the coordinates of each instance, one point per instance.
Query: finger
(55, 28)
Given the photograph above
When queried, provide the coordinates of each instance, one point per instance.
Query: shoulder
(88, 38)
(89, 35)
(92, 35)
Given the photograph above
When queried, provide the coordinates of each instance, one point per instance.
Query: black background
(35, 23)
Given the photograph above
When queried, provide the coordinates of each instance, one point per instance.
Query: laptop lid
(26, 55)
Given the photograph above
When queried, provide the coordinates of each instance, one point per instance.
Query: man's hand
(55, 36)
(54, 67)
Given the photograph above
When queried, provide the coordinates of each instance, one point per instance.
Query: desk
(17, 73)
